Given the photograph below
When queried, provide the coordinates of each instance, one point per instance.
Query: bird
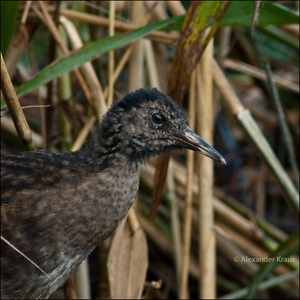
(57, 207)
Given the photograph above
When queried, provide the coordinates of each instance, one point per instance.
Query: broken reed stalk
(206, 235)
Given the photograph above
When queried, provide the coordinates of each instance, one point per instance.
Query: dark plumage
(56, 207)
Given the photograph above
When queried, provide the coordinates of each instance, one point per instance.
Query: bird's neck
(108, 146)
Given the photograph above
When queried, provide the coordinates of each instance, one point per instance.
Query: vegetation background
(233, 66)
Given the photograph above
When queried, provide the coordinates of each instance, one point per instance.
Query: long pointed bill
(189, 139)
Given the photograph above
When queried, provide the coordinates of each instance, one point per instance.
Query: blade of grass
(240, 13)
(9, 11)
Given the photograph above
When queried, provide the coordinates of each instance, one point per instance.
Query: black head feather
(141, 125)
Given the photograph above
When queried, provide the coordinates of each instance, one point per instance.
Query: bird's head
(147, 123)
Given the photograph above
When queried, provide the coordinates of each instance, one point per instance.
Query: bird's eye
(157, 119)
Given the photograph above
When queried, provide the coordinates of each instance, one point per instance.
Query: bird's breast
(108, 196)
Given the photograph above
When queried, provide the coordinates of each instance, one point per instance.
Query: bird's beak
(189, 139)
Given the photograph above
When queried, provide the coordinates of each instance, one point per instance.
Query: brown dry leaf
(127, 263)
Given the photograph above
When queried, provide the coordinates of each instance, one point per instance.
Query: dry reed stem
(158, 9)
(64, 95)
(260, 74)
(242, 225)
(175, 221)
(25, 12)
(25, 256)
(15, 50)
(70, 289)
(81, 138)
(151, 64)
(162, 64)
(133, 220)
(207, 251)
(183, 288)
(111, 54)
(136, 68)
(223, 48)
(162, 37)
(176, 7)
(14, 107)
(95, 88)
(231, 251)
(120, 66)
(17, 44)
(82, 281)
